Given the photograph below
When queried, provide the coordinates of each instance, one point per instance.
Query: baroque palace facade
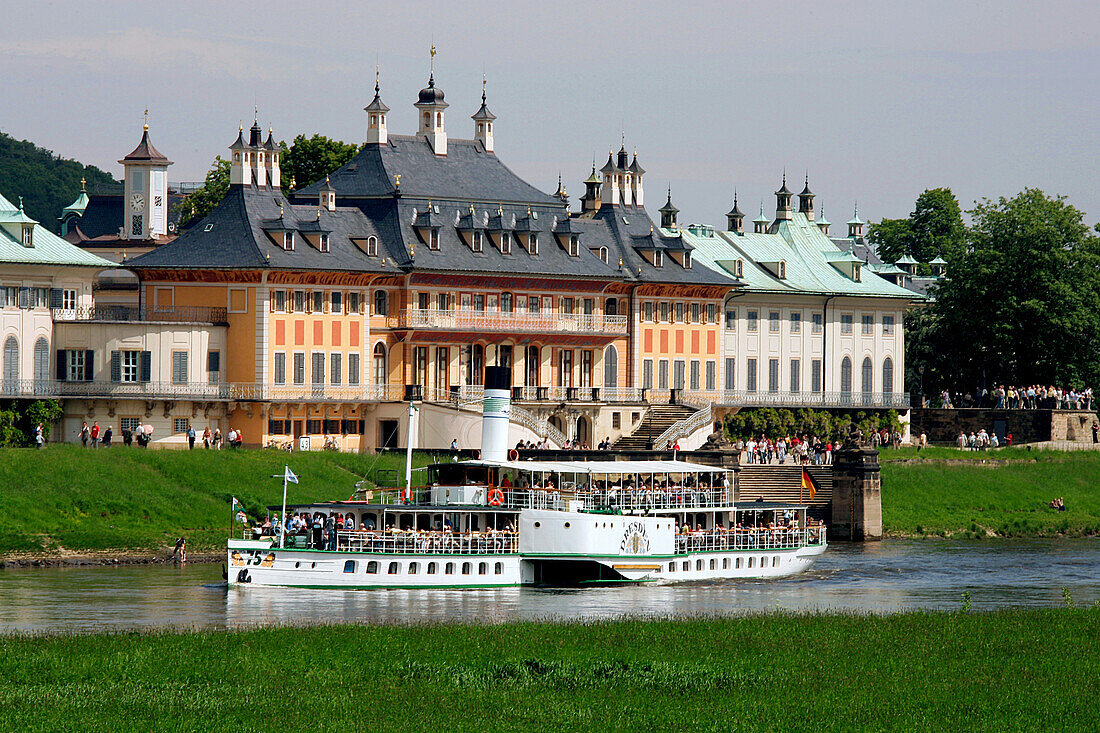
(320, 313)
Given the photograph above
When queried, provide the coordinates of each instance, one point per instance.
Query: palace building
(317, 315)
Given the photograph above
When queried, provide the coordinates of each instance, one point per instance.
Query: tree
(309, 159)
(936, 226)
(200, 203)
(1021, 304)
(890, 238)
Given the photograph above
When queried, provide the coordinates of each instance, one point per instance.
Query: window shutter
(116, 366)
(89, 365)
(146, 371)
(55, 298)
(362, 302)
(309, 301)
(271, 301)
(24, 297)
(60, 366)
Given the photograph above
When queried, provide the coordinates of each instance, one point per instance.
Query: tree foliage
(47, 182)
(776, 423)
(934, 228)
(1021, 304)
(18, 421)
(309, 159)
(200, 203)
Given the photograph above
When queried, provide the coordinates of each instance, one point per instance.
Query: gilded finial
(83, 185)
(20, 203)
(255, 114)
(500, 209)
(431, 74)
(528, 211)
(145, 125)
(377, 76)
(483, 88)
(397, 180)
(280, 211)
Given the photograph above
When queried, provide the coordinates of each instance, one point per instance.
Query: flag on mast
(808, 484)
(289, 476)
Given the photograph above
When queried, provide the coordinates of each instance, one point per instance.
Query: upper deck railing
(463, 319)
(750, 538)
(613, 499)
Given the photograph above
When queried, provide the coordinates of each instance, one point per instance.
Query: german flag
(808, 484)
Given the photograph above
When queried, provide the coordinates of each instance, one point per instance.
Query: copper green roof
(811, 261)
(47, 247)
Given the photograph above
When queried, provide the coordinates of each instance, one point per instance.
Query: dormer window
(372, 246)
(322, 243)
(433, 239)
(288, 241)
(687, 260)
(658, 258)
(477, 243)
(856, 273)
(28, 236)
(602, 253)
(533, 243)
(781, 270)
(739, 268)
(506, 243)
(574, 245)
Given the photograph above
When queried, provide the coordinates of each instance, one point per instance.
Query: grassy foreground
(71, 498)
(1010, 670)
(949, 492)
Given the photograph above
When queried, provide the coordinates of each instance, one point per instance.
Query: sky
(875, 101)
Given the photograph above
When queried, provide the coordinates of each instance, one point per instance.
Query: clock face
(137, 202)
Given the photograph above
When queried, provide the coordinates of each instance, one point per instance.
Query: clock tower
(145, 198)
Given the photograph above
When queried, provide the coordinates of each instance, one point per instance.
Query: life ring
(496, 497)
(513, 455)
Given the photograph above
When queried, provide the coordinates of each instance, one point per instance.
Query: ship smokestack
(496, 406)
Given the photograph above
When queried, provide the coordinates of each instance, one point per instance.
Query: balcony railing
(136, 314)
(744, 398)
(475, 320)
(224, 391)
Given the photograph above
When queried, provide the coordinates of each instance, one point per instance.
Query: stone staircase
(657, 420)
(783, 483)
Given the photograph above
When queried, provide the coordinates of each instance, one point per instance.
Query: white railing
(622, 499)
(428, 543)
(482, 320)
(538, 426)
(762, 538)
(742, 398)
(685, 427)
(133, 313)
(621, 394)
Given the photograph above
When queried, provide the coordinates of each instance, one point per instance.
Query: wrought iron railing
(136, 314)
(225, 391)
(482, 320)
(537, 425)
(685, 427)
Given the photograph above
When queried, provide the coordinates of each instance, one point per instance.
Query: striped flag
(808, 484)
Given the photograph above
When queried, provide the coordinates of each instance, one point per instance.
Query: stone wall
(1025, 426)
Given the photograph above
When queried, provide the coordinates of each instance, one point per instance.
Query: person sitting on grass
(1057, 504)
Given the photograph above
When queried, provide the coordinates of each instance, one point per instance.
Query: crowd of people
(980, 440)
(1034, 397)
(94, 436)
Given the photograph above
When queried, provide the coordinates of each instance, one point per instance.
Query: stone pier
(857, 494)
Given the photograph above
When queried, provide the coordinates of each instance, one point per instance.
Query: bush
(773, 422)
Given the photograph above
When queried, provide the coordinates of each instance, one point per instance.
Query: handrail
(217, 391)
(129, 313)
(482, 320)
(685, 427)
(538, 426)
(762, 538)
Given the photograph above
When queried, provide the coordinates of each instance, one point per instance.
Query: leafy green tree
(1021, 304)
(208, 195)
(891, 238)
(309, 159)
(46, 412)
(936, 225)
(47, 182)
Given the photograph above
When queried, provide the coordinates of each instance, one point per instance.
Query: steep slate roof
(105, 214)
(466, 173)
(145, 152)
(807, 252)
(47, 249)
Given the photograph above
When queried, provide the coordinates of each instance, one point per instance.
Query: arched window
(11, 364)
(846, 376)
(41, 361)
(610, 367)
(866, 385)
(372, 246)
(887, 375)
(381, 303)
(612, 307)
(381, 372)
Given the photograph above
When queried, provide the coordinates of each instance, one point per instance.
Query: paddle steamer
(499, 521)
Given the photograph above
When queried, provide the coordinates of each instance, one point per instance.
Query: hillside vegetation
(47, 182)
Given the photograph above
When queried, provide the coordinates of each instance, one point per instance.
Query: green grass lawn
(966, 493)
(133, 499)
(1005, 671)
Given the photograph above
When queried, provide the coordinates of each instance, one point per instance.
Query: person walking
(40, 436)
(95, 434)
(190, 436)
(206, 437)
(85, 434)
(107, 435)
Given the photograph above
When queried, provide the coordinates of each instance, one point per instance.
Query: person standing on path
(84, 434)
(190, 436)
(95, 434)
(1095, 431)
(40, 437)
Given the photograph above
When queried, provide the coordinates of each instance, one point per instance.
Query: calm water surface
(884, 577)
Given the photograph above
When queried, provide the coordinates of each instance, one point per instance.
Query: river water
(885, 577)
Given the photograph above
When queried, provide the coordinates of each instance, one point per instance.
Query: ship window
(395, 568)
(372, 568)
(698, 564)
(349, 566)
(297, 565)
(538, 524)
(466, 568)
(712, 563)
(450, 569)
(498, 569)
(763, 562)
(483, 568)
(738, 563)
(567, 525)
(725, 563)
(414, 568)
(672, 567)
(775, 561)
(685, 566)
(751, 561)
(432, 567)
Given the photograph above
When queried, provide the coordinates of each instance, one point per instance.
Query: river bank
(814, 672)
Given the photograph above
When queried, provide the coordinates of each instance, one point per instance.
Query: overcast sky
(878, 101)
